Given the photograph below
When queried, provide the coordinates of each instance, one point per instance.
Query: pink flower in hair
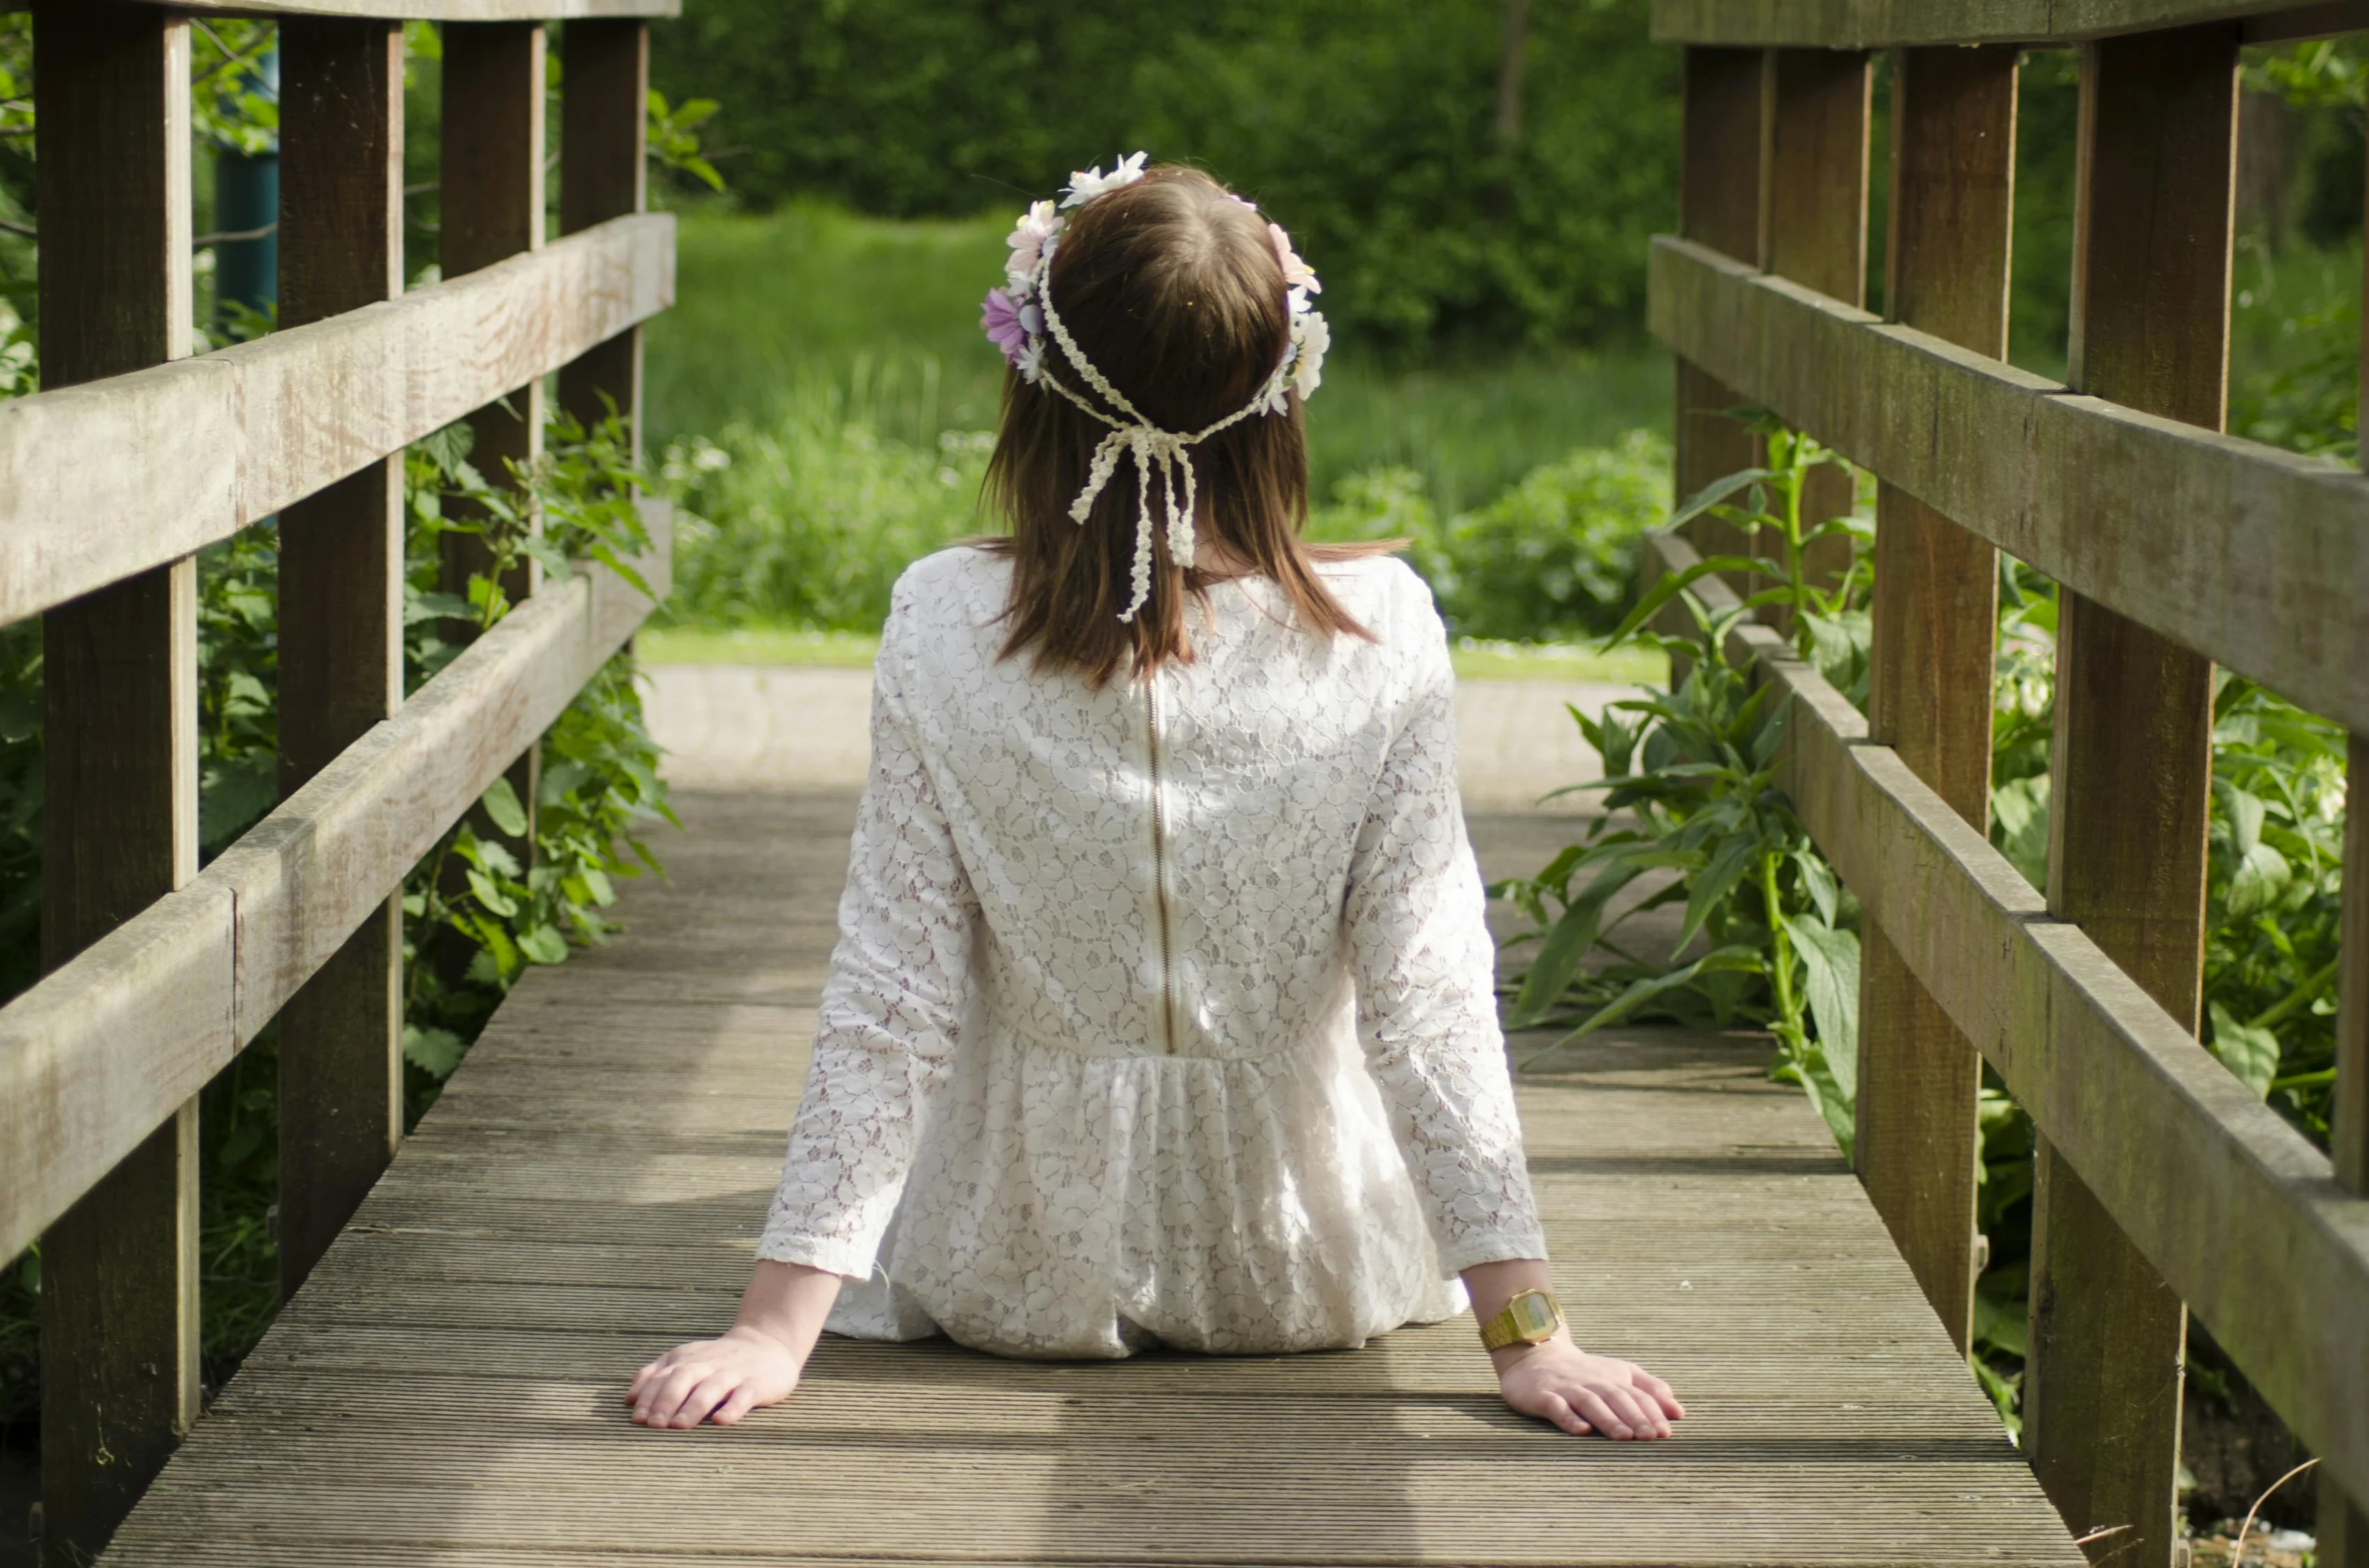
(1000, 319)
(1297, 274)
(1039, 224)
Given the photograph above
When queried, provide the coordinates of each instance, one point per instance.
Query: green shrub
(807, 520)
(1373, 131)
(1553, 557)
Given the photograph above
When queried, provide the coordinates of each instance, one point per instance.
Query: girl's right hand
(714, 1380)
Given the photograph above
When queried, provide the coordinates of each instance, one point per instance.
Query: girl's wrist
(1505, 1358)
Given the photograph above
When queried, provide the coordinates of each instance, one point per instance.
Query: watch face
(1534, 1315)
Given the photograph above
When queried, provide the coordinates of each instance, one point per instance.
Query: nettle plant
(1692, 807)
(481, 889)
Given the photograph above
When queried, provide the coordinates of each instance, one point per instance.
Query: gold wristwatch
(1530, 1318)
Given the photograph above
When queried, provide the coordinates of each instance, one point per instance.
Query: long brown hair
(1174, 291)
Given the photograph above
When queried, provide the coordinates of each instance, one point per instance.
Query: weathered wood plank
(233, 436)
(119, 762)
(1724, 138)
(492, 143)
(2343, 1522)
(2227, 1202)
(1954, 124)
(1814, 216)
(2131, 765)
(451, 1374)
(2263, 574)
(1894, 24)
(604, 174)
(340, 616)
(100, 1052)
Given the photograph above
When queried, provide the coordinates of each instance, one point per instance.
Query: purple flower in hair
(1000, 319)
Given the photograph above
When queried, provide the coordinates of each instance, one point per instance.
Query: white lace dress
(1161, 1014)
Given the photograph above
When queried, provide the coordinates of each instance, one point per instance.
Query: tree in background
(1481, 169)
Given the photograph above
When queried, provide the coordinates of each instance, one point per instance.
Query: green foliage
(1769, 935)
(808, 522)
(467, 938)
(674, 137)
(1553, 557)
(1373, 132)
(769, 305)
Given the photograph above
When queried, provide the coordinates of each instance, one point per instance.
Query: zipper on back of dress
(1160, 866)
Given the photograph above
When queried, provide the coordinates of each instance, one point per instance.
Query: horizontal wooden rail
(2236, 1209)
(103, 1050)
(112, 477)
(1892, 24)
(2247, 554)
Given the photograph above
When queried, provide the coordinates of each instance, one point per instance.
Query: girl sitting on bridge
(1162, 1008)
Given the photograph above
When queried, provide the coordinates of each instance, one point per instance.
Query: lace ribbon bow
(1154, 447)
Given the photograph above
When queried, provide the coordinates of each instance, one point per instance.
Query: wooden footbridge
(444, 1385)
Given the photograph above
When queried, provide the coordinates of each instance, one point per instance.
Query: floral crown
(1019, 318)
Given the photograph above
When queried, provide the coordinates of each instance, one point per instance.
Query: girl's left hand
(1560, 1382)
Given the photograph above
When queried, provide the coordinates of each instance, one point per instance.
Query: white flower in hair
(1030, 361)
(1314, 337)
(1086, 184)
(1297, 274)
(1039, 224)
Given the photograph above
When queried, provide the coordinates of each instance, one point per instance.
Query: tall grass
(774, 307)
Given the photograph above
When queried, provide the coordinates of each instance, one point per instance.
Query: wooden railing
(156, 974)
(2162, 1183)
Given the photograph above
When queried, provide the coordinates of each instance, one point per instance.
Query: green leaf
(1814, 1070)
(1818, 881)
(2263, 875)
(434, 1051)
(501, 804)
(1830, 957)
(1567, 943)
(544, 945)
(2250, 1052)
(1641, 992)
(1729, 863)
(2245, 809)
(490, 895)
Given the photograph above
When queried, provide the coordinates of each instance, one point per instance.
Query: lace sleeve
(1423, 963)
(892, 1009)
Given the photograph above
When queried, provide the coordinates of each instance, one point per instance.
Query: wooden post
(1936, 630)
(1718, 204)
(2343, 1526)
(1814, 224)
(493, 207)
(603, 175)
(120, 1269)
(2132, 762)
(340, 617)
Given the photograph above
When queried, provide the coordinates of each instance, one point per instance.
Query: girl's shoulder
(961, 587)
(1391, 600)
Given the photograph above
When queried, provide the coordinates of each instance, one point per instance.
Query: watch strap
(1530, 1318)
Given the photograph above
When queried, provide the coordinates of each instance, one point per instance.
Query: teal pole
(246, 198)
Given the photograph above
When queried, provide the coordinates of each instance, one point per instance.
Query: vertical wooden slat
(492, 141)
(2132, 761)
(493, 144)
(2343, 1526)
(120, 1270)
(340, 616)
(1718, 204)
(604, 174)
(1935, 632)
(1813, 221)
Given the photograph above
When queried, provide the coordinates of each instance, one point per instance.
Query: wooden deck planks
(445, 1389)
